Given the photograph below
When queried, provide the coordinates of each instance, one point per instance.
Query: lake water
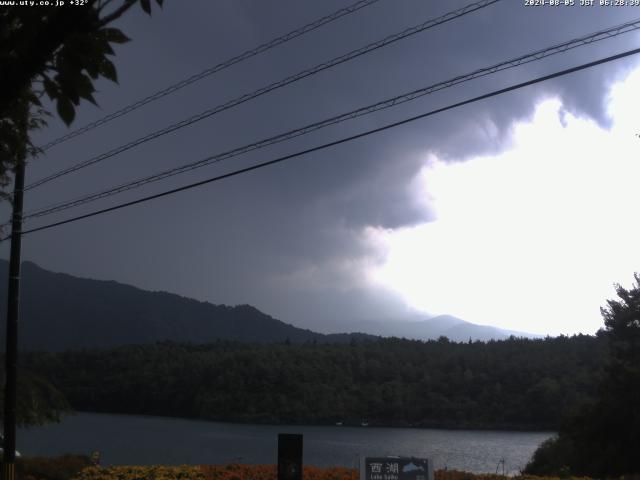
(144, 440)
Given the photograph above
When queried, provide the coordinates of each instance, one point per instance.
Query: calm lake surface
(143, 440)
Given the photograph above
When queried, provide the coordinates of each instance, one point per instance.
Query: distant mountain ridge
(425, 328)
(61, 311)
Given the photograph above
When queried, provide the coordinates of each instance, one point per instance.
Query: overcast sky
(519, 211)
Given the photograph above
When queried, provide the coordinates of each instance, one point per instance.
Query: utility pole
(11, 352)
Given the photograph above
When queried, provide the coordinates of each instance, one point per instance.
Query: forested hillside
(516, 383)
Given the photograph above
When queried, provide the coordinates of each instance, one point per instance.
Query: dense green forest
(517, 383)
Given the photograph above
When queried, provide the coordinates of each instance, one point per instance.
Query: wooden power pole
(11, 352)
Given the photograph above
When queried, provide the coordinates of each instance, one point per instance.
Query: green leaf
(90, 97)
(106, 47)
(92, 66)
(85, 88)
(50, 87)
(115, 35)
(146, 6)
(33, 98)
(67, 85)
(66, 110)
(108, 70)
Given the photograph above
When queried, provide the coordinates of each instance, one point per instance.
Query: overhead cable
(336, 142)
(360, 4)
(391, 102)
(273, 86)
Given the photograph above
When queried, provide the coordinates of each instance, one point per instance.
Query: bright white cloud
(532, 239)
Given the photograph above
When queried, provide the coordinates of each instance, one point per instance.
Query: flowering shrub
(58, 468)
(141, 473)
(77, 467)
(209, 472)
(269, 472)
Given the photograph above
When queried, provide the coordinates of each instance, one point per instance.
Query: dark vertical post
(289, 456)
(11, 352)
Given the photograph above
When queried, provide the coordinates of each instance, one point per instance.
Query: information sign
(396, 468)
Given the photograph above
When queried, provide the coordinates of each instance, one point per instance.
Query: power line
(273, 86)
(337, 142)
(397, 100)
(211, 70)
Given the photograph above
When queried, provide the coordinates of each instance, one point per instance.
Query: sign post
(289, 456)
(396, 468)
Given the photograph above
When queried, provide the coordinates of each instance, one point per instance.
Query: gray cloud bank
(288, 239)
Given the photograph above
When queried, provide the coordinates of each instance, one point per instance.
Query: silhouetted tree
(57, 52)
(603, 440)
(39, 402)
(54, 51)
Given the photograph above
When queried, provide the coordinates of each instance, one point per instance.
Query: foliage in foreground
(38, 402)
(226, 472)
(64, 467)
(603, 440)
(57, 52)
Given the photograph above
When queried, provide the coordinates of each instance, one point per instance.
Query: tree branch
(117, 13)
(103, 4)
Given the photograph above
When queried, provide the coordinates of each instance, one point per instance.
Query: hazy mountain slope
(60, 311)
(426, 328)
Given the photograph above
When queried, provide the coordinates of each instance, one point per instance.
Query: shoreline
(427, 426)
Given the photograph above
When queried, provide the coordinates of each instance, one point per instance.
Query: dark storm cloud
(288, 239)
